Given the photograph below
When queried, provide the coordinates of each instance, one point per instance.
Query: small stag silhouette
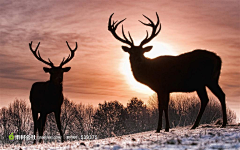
(188, 72)
(47, 97)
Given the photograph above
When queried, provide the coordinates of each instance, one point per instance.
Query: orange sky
(100, 70)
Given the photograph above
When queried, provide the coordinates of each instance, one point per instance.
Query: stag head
(56, 73)
(135, 50)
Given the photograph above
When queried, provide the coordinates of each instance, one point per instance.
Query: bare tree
(188, 72)
(15, 119)
(88, 113)
(109, 119)
(138, 116)
(20, 116)
(5, 125)
(68, 117)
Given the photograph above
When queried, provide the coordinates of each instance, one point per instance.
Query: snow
(208, 137)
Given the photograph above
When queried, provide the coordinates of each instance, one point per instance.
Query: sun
(158, 49)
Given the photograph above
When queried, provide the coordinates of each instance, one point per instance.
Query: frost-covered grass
(205, 137)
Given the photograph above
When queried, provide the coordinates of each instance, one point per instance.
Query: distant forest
(109, 118)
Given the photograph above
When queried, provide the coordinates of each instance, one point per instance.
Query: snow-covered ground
(205, 137)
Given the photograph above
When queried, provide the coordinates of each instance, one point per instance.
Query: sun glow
(158, 49)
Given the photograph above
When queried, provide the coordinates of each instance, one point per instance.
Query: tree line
(108, 119)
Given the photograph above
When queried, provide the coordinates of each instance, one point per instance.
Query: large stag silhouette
(47, 97)
(188, 72)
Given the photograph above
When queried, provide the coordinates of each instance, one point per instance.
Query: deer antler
(36, 53)
(154, 28)
(112, 28)
(70, 56)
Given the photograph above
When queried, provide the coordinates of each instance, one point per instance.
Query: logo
(11, 136)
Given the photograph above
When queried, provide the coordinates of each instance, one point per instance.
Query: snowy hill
(205, 137)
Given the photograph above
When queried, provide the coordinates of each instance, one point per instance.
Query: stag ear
(66, 69)
(46, 69)
(126, 49)
(147, 49)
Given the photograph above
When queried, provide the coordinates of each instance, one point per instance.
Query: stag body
(188, 72)
(184, 73)
(47, 97)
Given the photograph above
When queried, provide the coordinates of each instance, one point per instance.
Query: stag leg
(42, 121)
(202, 93)
(35, 117)
(39, 122)
(57, 116)
(165, 108)
(160, 109)
(217, 91)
